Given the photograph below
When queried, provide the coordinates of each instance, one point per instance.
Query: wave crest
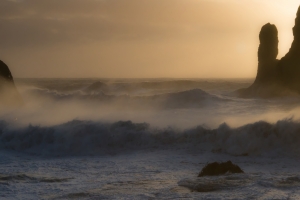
(182, 99)
(87, 137)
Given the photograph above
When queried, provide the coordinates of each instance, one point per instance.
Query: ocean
(147, 139)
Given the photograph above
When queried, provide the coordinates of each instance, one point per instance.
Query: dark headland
(9, 96)
(276, 77)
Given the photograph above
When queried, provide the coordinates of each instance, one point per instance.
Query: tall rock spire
(267, 53)
(265, 84)
(276, 78)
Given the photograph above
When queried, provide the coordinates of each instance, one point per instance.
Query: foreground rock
(215, 169)
(9, 96)
(276, 77)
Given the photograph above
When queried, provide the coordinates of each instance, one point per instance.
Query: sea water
(147, 139)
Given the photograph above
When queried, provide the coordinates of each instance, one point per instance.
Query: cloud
(48, 22)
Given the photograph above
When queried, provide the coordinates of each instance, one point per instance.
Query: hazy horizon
(143, 78)
(139, 39)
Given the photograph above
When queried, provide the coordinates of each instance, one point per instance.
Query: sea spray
(96, 138)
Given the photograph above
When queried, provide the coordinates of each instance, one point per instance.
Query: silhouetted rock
(215, 169)
(267, 53)
(266, 82)
(276, 78)
(5, 72)
(9, 96)
(289, 65)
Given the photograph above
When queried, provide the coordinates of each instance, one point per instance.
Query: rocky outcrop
(276, 77)
(9, 96)
(216, 169)
(289, 65)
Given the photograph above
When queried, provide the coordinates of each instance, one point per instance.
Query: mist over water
(161, 102)
(96, 138)
(149, 138)
(139, 112)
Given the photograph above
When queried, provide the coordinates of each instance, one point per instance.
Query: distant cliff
(9, 96)
(276, 77)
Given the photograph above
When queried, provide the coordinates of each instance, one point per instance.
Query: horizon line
(133, 78)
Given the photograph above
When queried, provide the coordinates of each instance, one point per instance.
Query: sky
(139, 38)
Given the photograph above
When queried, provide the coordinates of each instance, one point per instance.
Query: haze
(139, 38)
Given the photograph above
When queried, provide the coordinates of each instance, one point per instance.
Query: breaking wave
(96, 138)
(181, 99)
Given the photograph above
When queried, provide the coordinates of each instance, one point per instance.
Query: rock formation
(276, 77)
(289, 65)
(9, 94)
(216, 169)
(267, 54)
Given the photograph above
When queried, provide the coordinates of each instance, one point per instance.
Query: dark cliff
(9, 94)
(276, 77)
(289, 65)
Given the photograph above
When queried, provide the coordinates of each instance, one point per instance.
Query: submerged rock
(215, 169)
(9, 94)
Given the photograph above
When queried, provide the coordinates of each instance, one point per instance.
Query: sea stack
(276, 77)
(267, 54)
(267, 79)
(289, 65)
(9, 94)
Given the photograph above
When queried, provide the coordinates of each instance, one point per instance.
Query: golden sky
(139, 38)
